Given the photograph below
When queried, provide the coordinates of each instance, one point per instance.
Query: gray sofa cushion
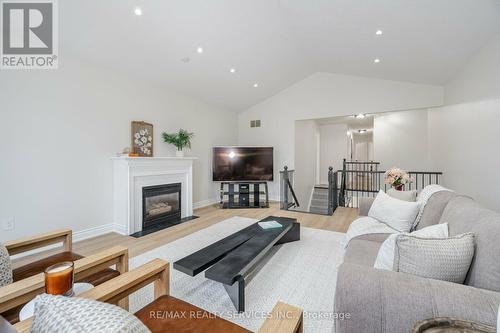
(363, 250)
(434, 208)
(446, 259)
(381, 301)
(465, 215)
(364, 205)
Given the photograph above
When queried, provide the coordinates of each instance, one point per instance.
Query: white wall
(324, 95)
(60, 129)
(479, 80)
(333, 148)
(362, 146)
(464, 145)
(306, 140)
(400, 139)
(464, 135)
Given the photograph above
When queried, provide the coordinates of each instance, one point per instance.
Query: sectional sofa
(393, 302)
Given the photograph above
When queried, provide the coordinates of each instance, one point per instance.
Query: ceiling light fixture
(232, 70)
(360, 116)
(376, 60)
(138, 11)
(199, 50)
(379, 32)
(232, 154)
(255, 85)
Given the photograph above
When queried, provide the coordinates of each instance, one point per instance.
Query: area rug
(302, 274)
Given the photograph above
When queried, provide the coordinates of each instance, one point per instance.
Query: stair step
(321, 203)
(318, 210)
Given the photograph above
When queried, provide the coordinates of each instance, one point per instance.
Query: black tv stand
(244, 195)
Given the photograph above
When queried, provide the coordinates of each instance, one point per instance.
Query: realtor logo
(29, 34)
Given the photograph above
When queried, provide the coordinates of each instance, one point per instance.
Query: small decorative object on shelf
(397, 178)
(59, 279)
(180, 140)
(451, 325)
(142, 138)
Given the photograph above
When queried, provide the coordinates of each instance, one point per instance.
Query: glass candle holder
(59, 279)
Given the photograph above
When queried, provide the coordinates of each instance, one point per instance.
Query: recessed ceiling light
(199, 50)
(232, 70)
(379, 32)
(232, 154)
(138, 11)
(360, 116)
(255, 85)
(376, 60)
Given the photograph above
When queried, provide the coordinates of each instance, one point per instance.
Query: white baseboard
(98, 231)
(81, 235)
(204, 203)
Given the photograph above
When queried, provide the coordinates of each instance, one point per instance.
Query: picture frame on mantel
(142, 138)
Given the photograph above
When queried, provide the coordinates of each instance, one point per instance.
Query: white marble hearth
(130, 175)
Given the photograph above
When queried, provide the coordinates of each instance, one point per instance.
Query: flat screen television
(242, 164)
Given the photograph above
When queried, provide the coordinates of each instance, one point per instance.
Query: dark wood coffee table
(231, 260)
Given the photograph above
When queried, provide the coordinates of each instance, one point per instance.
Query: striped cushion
(5, 267)
(60, 314)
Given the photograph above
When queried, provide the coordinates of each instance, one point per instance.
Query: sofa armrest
(364, 205)
(284, 318)
(385, 301)
(23, 291)
(42, 240)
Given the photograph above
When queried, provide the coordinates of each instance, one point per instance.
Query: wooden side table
(451, 325)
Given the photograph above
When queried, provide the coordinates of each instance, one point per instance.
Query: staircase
(319, 200)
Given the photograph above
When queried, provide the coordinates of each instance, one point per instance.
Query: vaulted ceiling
(275, 43)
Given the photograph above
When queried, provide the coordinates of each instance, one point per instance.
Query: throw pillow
(410, 196)
(5, 266)
(397, 214)
(447, 259)
(59, 314)
(385, 257)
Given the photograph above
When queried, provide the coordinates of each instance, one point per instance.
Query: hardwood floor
(208, 216)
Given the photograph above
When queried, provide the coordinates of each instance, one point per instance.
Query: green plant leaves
(180, 140)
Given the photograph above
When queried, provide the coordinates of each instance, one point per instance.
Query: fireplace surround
(132, 175)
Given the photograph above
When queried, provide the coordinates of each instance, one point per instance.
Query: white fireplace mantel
(131, 174)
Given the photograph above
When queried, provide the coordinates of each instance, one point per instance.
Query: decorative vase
(179, 153)
(398, 187)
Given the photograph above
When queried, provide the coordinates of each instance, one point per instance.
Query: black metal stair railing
(363, 179)
(288, 199)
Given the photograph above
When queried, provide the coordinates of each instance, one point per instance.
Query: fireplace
(161, 204)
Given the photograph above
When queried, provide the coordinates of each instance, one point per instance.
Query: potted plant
(397, 178)
(180, 140)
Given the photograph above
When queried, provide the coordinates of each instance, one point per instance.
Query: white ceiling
(276, 42)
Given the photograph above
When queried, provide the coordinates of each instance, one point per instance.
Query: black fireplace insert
(161, 204)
